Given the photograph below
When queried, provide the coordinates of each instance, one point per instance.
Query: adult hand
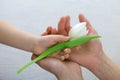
(62, 69)
(90, 55)
(86, 53)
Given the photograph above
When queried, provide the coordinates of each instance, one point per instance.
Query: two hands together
(66, 64)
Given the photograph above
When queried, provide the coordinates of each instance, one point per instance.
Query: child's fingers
(62, 58)
(67, 50)
(66, 56)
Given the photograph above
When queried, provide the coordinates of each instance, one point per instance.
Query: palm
(86, 51)
(59, 67)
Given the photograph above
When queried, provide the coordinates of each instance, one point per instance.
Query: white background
(35, 15)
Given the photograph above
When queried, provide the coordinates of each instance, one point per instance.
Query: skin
(63, 70)
(91, 54)
(57, 64)
(20, 39)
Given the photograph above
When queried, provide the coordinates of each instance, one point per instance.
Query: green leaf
(68, 44)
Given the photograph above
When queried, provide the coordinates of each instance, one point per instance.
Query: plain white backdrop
(35, 15)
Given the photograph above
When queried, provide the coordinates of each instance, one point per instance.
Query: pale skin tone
(17, 38)
(56, 63)
(63, 70)
(12, 36)
(91, 54)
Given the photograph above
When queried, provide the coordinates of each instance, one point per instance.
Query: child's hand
(63, 70)
(20, 39)
(44, 42)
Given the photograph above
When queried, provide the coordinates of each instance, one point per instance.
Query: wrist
(104, 68)
(32, 42)
(62, 78)
(69, 77)
(63, 75)
(66, 75)
(95, 61)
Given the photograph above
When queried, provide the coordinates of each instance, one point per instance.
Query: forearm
(104, 68)
(17, 38)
